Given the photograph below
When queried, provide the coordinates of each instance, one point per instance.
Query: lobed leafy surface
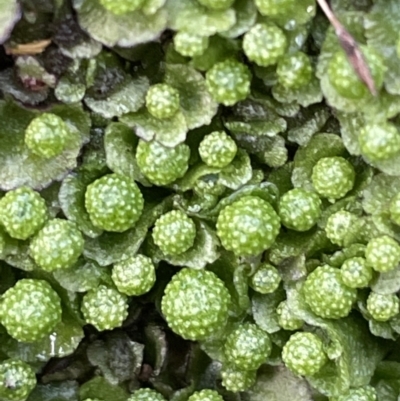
(199, 201)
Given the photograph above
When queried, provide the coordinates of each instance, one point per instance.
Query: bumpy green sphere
(104, 308)
(121, 7)
(339, 225)
(299, 209)
(30, 310)
(395, 209)
(205, 395)
(236, 380)
(248, 226)
(228, 82)
(135, 275)
(216, 4)
(272, 8)
(383, 253)
(162, 101)
(189, 44)
(209, 187)
(114, 202)
(57, 245)
(264, 44)
(345, 80)
(366, 393)
(333, 177)
(356, 273)
(146, 394)
(266, 279)
(17, 380)
(162, 165)
(326, 294)
(174, 232)
(379, 141)
(195, 304)
(294, 70)
(23, 212)
(247, 347)
(382, 307)
(46, 135)
(286, 319)
(217, 149)
(304, 354)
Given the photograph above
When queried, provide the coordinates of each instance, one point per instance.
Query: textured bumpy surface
(46, 135)
(114, 203)
(303, 354)
(247, 347)
(22, 212)
(121, 7)
(333, 177)
(395, 209)
(356, 273)
(366, 393)
(338, 225)
(105, 308)
(266, 279)
(237, 380)
(162, 165)
(228, 82)
(30, 310)
(294, 70)
(286, 319)
(195, 304)
(383, 253)
(146, 394)
(382, 307)
(299, 209)
(216, 4)
(17, 380)
(162, 101)
(217, 149)
(57, 245)
(264, 44)
(326, 294)
(200, 200)
(206, 395)
(174, 232)
(248, 226)
(135, 275)
(344, 79)
(190, 44)
(379, 141)
(272, 8)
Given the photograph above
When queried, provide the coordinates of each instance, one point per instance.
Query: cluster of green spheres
(200, 200)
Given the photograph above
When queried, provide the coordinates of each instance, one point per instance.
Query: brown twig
(351, 48)
(28, 48)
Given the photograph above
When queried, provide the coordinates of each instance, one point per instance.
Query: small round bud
(356, 273)
(189, 44)
(266, 279)
(383, 253)
(174, 232)
(304, 354)
(264, 44)
(135, 275)
(217, 149)
(333, 177)
(46, 135)
(162, 101)
(382, 307)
